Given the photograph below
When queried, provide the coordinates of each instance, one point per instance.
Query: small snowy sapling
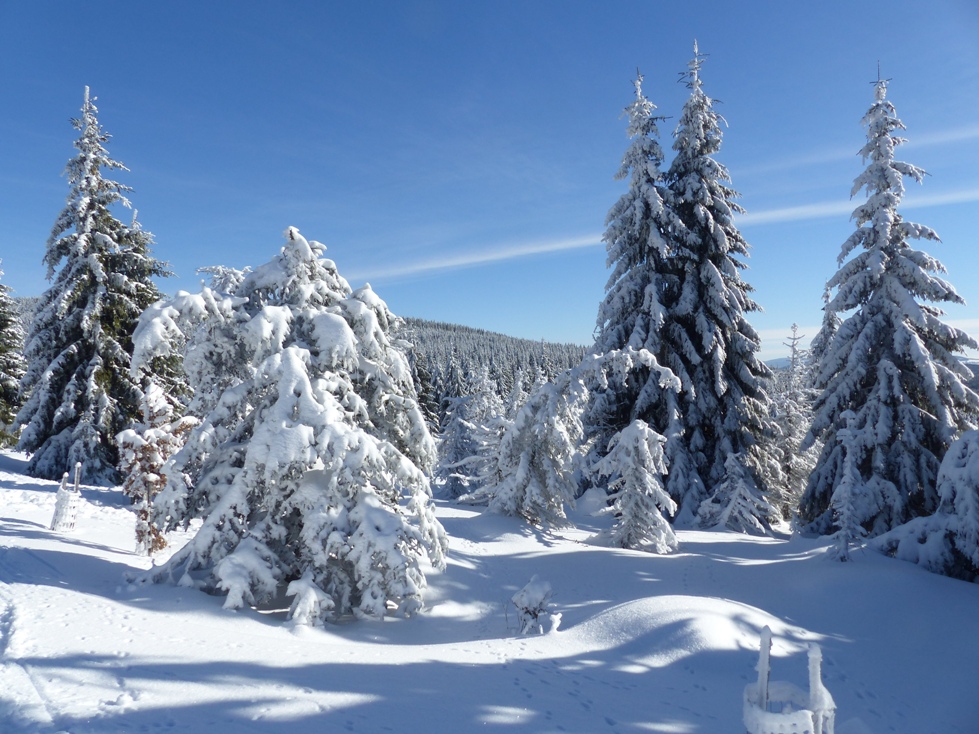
(533, 603)
(634, 466)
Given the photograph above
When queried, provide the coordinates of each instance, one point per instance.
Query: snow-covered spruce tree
(486, 426)
(78, 393)
(892, 361)
(309, 467)
(708, 342)
(948, 541)
(848, 492)
(824, 337)
(455, 446)
(468, 445)
(516, 397)
(143, 451)
(425, 389)
(537, 455)
(11, 364)
(633, 467)
(540, 451)
(737, 503)
(792, 407)
(633, 315)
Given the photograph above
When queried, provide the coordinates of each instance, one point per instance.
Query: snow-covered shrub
(533, 603)
(143, 451)
(948, 541)
(310, 462)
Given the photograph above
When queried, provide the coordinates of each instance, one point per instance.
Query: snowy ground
(646, 643)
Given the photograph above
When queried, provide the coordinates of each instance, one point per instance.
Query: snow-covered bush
(948, 541)
(533, 603)
(143, 451)
(310, 462)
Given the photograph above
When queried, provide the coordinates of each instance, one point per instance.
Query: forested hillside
(438, 347)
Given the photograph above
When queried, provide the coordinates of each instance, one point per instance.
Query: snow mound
(657, 631)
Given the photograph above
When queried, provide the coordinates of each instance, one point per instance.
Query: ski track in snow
(646, 643)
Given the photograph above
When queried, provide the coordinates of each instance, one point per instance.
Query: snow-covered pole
(820, 700)
(764, 666)
(815, 668)
(78, 474)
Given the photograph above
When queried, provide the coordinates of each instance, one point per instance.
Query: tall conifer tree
(892, 361)
(78, 390)
(632, 315)
(713, 349)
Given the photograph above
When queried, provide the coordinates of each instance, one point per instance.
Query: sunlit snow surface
(646, 643)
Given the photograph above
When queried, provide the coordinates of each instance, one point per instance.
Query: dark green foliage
(77, 388)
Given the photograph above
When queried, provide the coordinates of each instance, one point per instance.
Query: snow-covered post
(820, 701)
(764, 666)
(66, 504)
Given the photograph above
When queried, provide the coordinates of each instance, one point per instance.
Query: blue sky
(460, 156)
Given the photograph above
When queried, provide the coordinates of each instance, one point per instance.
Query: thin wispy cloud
(474, 258)
(827, 209)
(826, 155)
(821, 210)
(801, 161)
(502, 253)
(963, 196)
(944, 137)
